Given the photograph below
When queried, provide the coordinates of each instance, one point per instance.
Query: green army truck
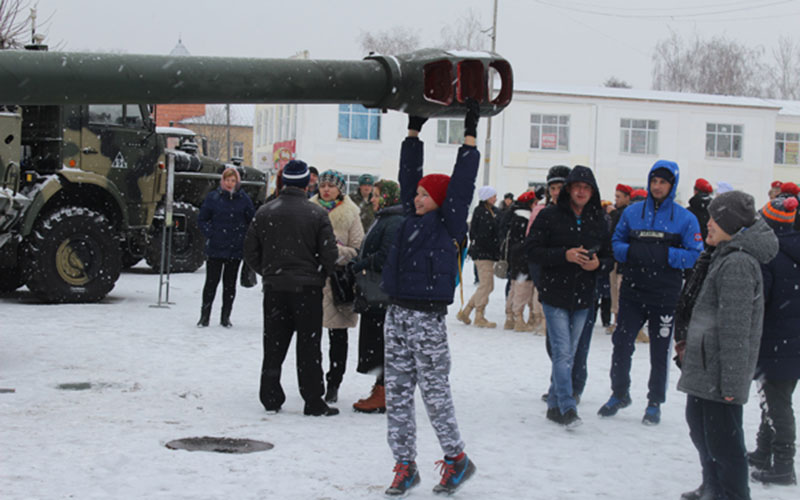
(79, 183)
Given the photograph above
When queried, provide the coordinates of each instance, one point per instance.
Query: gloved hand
(416, 122)
(471, 120)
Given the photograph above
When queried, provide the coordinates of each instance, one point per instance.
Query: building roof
(242, 115)
(652, 95)
(179, 50)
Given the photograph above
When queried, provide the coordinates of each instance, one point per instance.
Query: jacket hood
(789, 241)
(672, 167)
(581, 174)
(700, 201)
(758, 240)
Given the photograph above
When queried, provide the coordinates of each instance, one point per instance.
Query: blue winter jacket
(224, 218)
(779, 356)
(422, 264)
(656, 246)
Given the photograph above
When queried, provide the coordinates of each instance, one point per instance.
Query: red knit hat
(436, 186)
(526, 197)
(639, 193)
(703, 185)
(780, 210)
(791, 188)
(624, 188)
(776, 184)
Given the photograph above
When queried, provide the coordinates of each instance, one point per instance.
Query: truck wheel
(73, 256)
(10, 279)
(188, 249)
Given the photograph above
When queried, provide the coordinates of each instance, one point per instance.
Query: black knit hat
(732, 211)
(664, 173)
(558, 173)
(295, 173)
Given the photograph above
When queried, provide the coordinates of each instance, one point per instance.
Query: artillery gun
(82, 174)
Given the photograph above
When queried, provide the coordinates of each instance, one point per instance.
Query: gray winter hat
(732, 211)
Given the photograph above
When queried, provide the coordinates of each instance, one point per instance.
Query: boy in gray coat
(722, 344)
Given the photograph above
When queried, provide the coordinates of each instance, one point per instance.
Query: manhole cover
(220, 445)
(75, 386)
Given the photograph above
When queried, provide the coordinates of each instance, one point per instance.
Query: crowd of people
(718, 276)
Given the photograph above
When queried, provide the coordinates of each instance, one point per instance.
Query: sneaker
(454, 473)
(570, 420)
(554, 415)
(405, 478)
(613, 405)
(652, 414)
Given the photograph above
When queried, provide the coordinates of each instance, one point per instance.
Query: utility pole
(487, 150)
(228, 122)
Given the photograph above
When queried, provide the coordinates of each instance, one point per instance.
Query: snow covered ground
(156, 377)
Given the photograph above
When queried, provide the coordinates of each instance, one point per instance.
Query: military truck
(195, 175)
(89, 179)
(82, 176)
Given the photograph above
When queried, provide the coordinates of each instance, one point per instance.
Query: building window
(450, 131)
(238, 149)
(550, 132)
(358, 122)
(787, 145)
(723, 140)
(638, 136)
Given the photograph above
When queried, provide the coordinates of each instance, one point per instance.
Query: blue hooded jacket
(224, 218)
(656, 245)
(421, 268)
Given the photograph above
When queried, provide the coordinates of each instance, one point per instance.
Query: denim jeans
(564, 329)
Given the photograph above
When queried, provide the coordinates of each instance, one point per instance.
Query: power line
(664, 16)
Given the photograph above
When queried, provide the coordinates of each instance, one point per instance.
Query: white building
(619, 133)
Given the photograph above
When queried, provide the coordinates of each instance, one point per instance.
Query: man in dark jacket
(569, 240)
(363, 199)
(290, 243)
(722, 344)
(655, 239)
(698, 204)
(778, 367)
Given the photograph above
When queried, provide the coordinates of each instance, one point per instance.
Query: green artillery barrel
(426, 83)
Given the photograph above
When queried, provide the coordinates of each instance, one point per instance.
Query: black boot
(205, 316)
(332, 394)
(782, 470)
(760, 459)
(225, 318)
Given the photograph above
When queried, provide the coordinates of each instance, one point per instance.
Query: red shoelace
(400, 473)
(447, 469)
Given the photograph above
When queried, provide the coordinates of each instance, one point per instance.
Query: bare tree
(615, 82)
(715, 66)
(396, 40)
(785, 72)
(466, 33)
(14, 18)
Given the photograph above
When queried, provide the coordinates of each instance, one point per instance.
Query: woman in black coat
(379, 238)
(484, 248)
(224, 218)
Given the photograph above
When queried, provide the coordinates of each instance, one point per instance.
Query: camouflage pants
(416, 352)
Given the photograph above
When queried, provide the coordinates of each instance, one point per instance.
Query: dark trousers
(777, 432)
(284, 314)
(716, 431)
(370, 342)
(228, 269)
(632, 316)
(337, 354)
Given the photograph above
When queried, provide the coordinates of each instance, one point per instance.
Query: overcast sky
(577, 42)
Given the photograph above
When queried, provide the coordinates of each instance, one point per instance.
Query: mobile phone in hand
(590, 253)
